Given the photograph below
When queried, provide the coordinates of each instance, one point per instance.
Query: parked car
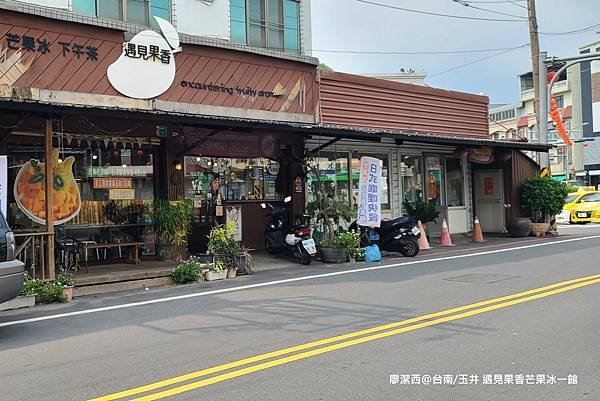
(587, 211)
(11, 270)
(573, 200)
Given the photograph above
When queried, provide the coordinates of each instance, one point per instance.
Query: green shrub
(52, 293)
(187, 272)
(348, 240)
(422, 211)
(543, 196)
(65, 278)
(31, 286)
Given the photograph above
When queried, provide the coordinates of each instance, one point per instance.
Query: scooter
(397, 235)
(294, 242)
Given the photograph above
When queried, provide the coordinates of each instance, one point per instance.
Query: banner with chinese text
(369, 200)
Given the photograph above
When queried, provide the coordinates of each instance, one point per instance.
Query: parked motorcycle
(397, 235)
(294, 241)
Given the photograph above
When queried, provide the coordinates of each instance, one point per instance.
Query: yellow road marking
(512, 299)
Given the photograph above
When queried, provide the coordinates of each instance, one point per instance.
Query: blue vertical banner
(369, 199)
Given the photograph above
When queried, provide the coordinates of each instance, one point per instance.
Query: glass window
(412, 177)
(454, 182)
(137, 12)
(560, 101)
(160, 8)
(433, 180)
(85, 7)
(384, 190)
(332, 174)
(291, 22)
(238, 21)
(112, 9)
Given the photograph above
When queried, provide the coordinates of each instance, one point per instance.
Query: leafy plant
(187, 271)
(543, 196)
(65, 278)
(331, 215)
(172, 221)
(52, 293)
(31, 286)
(222, 243)
(420, 210)
(348, 240)
(218, 266)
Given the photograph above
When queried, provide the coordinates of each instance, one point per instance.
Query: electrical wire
(382, 52)
(494, 1)
(478, 60)
(576, 31)
(373, 3)
(464, 3)
(514, 3)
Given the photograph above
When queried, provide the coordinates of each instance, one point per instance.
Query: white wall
(196, 17)
(50, 3)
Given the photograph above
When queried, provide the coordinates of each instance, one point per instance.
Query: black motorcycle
(294, 241)
(397, 235)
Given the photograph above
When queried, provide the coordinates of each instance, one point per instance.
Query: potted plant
(421, 211)
(217, 271)
(52, 292)
(544, 197)
(172, 221)
(243, 260)
(188, 271)
(340, 248)
(67, 280)
(29, 291)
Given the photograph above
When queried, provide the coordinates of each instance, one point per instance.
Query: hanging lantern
(460, 153)
(556, 117)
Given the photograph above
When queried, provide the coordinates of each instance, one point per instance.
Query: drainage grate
(481, 278)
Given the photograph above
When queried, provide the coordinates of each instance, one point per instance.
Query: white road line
(289, 280)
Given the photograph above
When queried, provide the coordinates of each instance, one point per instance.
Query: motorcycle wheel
(304, 257)
(408, 247)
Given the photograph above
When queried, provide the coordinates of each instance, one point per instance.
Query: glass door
(434, 186)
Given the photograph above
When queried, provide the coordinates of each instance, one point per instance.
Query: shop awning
(523, 122)
(236, 123)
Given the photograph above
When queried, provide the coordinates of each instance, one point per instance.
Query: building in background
(403, 76)
(282, 25)
(586, 116)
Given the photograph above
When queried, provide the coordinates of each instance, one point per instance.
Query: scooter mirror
(263, 205)
(287, 199)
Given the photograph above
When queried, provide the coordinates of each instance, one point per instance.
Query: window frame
(123, 10)
(267, 25)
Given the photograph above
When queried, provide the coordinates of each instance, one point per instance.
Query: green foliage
(348, 240)
(52, 293)
(187, 271)
(220, 239)
(338, 211)
(218, 266)
(543, 196)
(422, 211)
(31, 286)
(65, 278)
(571, 188)
(325, 67)
(172, 221)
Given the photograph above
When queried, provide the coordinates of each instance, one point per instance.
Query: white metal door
(489, 200)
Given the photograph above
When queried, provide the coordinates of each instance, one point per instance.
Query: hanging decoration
(555, 114)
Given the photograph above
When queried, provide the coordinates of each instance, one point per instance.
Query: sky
(352, 25)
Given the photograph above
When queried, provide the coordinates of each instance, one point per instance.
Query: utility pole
(535, 62)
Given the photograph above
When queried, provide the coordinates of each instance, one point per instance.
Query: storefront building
(434, 145)
(128, 117)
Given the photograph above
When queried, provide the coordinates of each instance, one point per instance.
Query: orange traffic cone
(423, 243)
(445, 239)
(477, 234)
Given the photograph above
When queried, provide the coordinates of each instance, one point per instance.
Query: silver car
(11, 269)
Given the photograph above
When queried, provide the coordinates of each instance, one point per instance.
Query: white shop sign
(369, 199)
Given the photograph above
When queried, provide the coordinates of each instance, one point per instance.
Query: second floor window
(273, 24)
(135, 11)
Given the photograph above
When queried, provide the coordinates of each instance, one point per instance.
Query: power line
(478, 60)
(576, 31)
(412, 53)
(495, 2)
(436, 14)
(466, 4)
(515, 3)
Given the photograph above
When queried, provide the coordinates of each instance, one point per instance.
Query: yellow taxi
(587, 210)
(573, 200)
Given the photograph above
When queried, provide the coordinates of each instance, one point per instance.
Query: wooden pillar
(49, 259)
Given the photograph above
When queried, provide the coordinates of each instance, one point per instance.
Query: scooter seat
(395, 223)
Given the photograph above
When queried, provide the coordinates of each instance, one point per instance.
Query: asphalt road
(551, 332)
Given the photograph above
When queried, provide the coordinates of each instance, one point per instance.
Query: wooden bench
(133, 246)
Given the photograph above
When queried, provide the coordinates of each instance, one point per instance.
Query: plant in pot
(421, 211)
(172, 222)
(544, 197)
(217, 271)
(222, 244)
(243, 260)
(31, 288)
(67, 280)
(188, 271)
